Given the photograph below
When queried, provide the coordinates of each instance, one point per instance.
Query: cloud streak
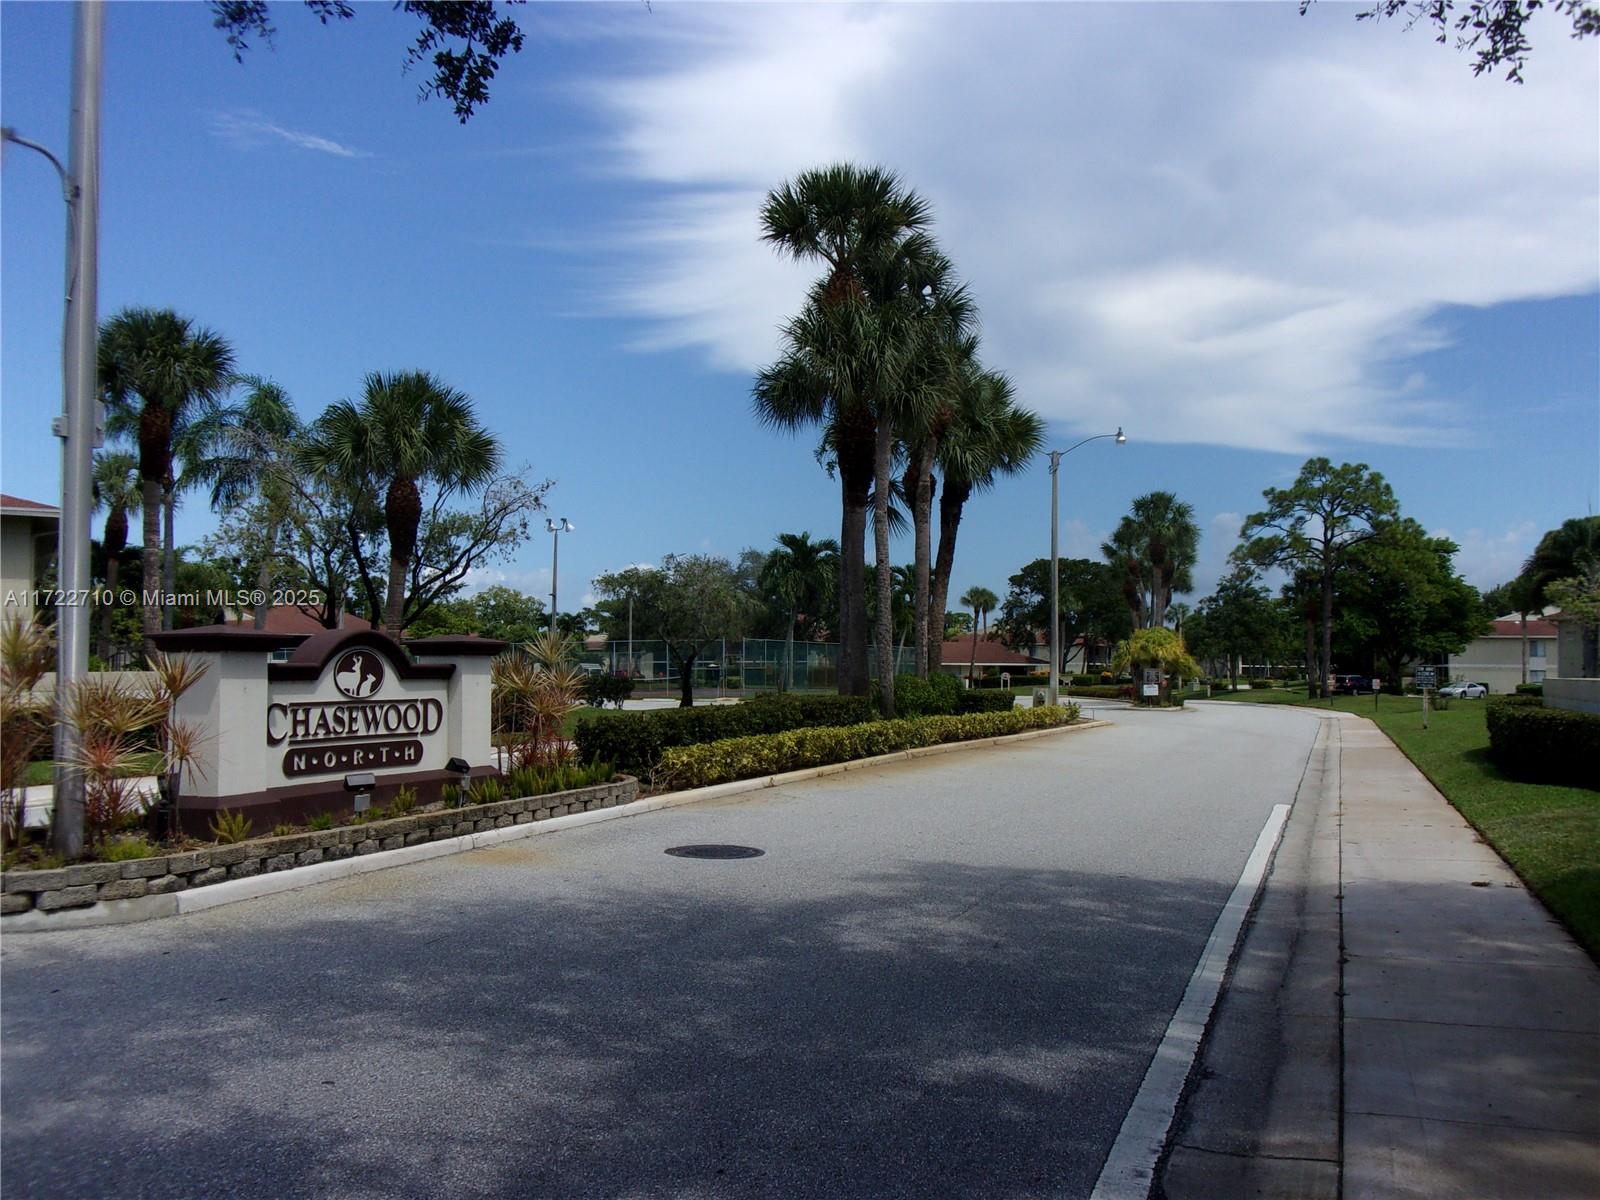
(251, 129)
(1215, 224)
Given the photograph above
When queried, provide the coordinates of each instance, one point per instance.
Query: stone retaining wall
(88, 883)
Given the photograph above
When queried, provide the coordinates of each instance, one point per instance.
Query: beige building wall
(1497, 662)
(20, 559)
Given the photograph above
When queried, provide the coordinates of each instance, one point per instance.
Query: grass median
(1549, 834)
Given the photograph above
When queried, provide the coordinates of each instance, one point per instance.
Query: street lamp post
(556, 531)
(76, 427)
(1055, 559)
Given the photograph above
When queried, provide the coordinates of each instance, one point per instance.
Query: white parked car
(1465, 691)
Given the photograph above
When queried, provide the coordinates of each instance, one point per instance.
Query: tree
(1401, 599)
(1564, 569)
(1313, 526)
(800, 575)
(1237, 617)
(1155, 545)
(410, 431)
(1157, 648)
(1496, 29)
(692, 600)
(155, 369)
(956, 624)
(245, 452)
(1089, 604)
(116, 489)
(982, 602)
(845, 217)
(989, 435)
(464, 39)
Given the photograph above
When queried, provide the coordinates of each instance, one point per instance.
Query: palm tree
(116, 489)
(410, 431)
(989, 435)
(1156, 545)
(156, 368)
(982, 602)
(802, 574)
(846, 217)
(245, 451)
(1565, 552)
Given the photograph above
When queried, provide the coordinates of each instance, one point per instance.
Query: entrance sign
(1424, 677)
(280, 736)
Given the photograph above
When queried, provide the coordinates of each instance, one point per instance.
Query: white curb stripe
(1129, 1169)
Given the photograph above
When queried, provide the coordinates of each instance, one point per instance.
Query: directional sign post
(1424, 681)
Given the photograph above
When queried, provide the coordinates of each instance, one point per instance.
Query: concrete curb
(173, 904)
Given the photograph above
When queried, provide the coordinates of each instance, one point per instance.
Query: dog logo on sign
(358, 674)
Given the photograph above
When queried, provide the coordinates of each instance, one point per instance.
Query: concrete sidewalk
(1404, 1020)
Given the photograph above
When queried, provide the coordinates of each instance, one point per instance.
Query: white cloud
(252, 129)
(1488, 558)
(1214, 223)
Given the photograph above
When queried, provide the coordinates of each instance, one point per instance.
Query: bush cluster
(771, 754)
(1544, 745)
(1105, 691)
(605, 688)
(937, 695)
(983, 702)
(1530, 689)
(634, 741)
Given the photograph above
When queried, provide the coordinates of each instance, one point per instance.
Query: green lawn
(43, 770)
(1550, 835)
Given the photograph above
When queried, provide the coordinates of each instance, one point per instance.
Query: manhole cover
(715, 851)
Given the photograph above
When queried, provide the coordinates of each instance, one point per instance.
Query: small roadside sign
(1424, 677)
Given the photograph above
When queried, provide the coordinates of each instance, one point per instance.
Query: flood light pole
(556, 531)
(1055, 560)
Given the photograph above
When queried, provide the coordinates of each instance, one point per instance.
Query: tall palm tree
(1156, 545)
(155, 369)
(989, 435)
(245, 451)
(846, 217)
(982, 602)
(410, 431)
(117, 490)
(1564, 552)
(802, 574)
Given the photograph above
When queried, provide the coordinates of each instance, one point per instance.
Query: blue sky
(1244, 235)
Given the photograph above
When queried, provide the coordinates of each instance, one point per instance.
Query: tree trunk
(402, 514)
(1313, 692)
(1524, 647)
(951, 502)
(883, 459)
(1327, 629)
(794, 615)
(922, 524)
(169, 553)
(264, 577)
(151, 582)
(686, 680)
(855, 485)
(113, 543)
(972, 667)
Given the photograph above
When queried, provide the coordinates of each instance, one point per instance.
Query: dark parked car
(1354, 685)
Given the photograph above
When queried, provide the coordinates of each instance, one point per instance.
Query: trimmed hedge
(1544, 745)
(772, 754)
(1530, 689)
(1106, 691)
(635, 741)
(980, 702)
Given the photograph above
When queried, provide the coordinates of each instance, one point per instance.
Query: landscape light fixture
(360, 787)
(555, 532)
(1055, 557)
(462, 770)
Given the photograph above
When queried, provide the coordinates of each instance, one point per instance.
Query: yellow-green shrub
(794, 749)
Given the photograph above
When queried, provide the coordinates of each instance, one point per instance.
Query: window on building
(1535, 676)
(1535, 649)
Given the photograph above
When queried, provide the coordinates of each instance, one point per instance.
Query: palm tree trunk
(686, 681)
(112, 566)
(151, 582)
(264, 578)
(883, 459)
(951, 502)
(921, 478)
(169, 553)
(855, 483)
(794, 615)
(972, 667)
(402, 514)
(1524, 647)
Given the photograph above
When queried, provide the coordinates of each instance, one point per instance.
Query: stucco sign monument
(283, 732)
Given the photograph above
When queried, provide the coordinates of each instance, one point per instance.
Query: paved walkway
(1469, 1027)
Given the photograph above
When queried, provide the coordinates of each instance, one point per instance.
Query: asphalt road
(942, 978)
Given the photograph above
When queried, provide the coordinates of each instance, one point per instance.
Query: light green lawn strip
(43, 770)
